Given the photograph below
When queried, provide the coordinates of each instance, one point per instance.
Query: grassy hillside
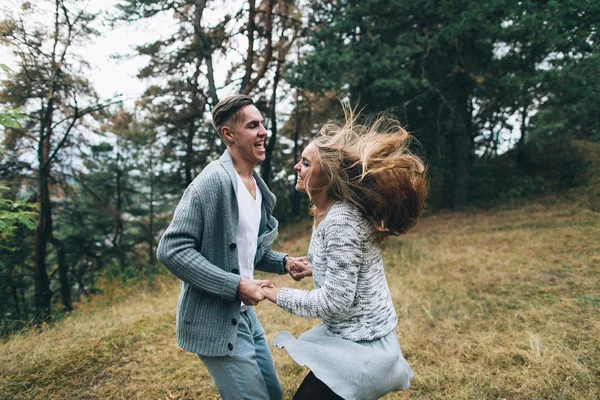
(491, 305)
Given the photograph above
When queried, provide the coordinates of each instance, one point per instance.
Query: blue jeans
(249, 373)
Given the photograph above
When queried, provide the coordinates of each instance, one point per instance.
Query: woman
(365, 186)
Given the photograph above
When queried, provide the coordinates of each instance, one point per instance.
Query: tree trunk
(151, 209)
(248, 83)
(43, 232)
(15, 295)
(117, 242)
(205, 52)
(96, 265)
(22, 295)
(270, 145)
(295, 193)
(244, 89)
(78, 275)
(63, 276)
(460, 130)
(189, 153)
(521, 157)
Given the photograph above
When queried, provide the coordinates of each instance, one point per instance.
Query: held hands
(250, 291)
(253, 291)
(298, 267)
(271, 293)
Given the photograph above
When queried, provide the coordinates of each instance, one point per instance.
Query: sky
(111, 76)
(108, 75)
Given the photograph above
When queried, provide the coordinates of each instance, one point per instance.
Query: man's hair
(228, 110)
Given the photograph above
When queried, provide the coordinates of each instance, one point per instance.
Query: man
(221, 230)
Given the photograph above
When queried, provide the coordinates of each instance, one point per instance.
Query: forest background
(503, 97)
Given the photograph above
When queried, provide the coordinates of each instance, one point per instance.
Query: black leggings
(312, 388)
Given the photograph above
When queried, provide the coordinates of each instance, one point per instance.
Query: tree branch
(205, 51)
(248, 84)
(74, 117)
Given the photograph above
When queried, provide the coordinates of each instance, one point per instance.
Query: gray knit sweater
(351, 293)
(199, 248)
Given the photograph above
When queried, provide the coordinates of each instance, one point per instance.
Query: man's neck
(244, 169)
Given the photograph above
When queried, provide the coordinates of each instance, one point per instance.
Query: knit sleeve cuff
(230, 287)
(285, 299)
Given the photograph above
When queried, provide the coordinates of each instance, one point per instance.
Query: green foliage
(177, 104)
(571, 111)
(17, 224)
(50, 85)
(14, 214)
(461, 68)
(551, 167)
(464, 76)
(136, 272)
(11, 117)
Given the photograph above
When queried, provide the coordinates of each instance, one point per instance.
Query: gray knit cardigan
(351, 293)
(199, 248)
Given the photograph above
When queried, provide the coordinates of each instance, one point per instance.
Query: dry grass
(491, 305)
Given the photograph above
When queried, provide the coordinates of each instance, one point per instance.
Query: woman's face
(308, 169)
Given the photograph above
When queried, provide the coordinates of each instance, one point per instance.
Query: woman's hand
(298, 267)
(270, 293)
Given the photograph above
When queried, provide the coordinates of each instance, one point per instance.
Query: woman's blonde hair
(371, 166)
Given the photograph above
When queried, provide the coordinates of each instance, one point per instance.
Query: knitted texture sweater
(199, 248)
(351, 293)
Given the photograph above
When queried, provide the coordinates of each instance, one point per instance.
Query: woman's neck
(322, 202)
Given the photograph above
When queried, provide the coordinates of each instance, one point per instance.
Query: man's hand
(298, 267)
(250, 291)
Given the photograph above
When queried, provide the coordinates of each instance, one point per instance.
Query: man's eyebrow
(255, 121)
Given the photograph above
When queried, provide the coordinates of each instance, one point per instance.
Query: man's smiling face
(249, 135)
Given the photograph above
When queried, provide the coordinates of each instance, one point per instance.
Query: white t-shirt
(249, 210)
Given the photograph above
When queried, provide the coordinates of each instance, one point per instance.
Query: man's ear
(227, 135)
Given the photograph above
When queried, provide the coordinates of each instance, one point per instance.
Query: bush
(547, 167)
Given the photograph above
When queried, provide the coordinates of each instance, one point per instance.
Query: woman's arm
(344, 235)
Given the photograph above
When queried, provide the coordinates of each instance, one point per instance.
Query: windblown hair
(371, 166)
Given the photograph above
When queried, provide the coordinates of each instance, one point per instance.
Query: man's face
(248, 136)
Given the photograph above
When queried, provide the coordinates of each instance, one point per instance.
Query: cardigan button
(233, 322)
(232, 246)
(229, 346)
(235, 271)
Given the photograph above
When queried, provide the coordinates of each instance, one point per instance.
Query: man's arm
(282, 263)
(177, 248)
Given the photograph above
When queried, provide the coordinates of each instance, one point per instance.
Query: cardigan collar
(268, 198)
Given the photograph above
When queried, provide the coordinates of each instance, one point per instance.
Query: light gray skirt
(353, 370)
